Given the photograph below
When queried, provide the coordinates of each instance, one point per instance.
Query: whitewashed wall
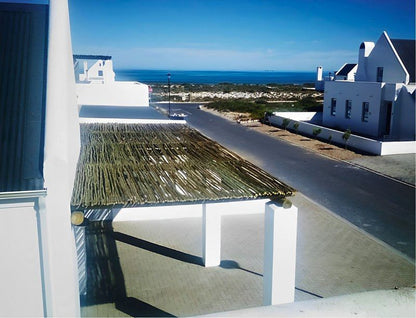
(383, 56)
(357, 93)
(62, 145)
(365, 144)
(20, 266)
(299, 116)
(403, 127)
(113, 94)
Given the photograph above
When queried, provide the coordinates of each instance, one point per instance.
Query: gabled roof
(346, 69)
(140, 164)
(406, 51)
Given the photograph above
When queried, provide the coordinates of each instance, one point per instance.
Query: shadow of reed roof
(140, 164)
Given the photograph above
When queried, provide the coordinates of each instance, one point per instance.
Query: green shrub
(316, 132)
(285, 123)
(296, 126)
(346, 136)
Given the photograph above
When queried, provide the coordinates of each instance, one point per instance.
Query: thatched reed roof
(138, 164)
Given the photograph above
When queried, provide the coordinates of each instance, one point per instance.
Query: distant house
(96, 84)
(346, 72)
(379, 101)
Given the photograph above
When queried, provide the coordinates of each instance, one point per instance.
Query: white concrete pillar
(60, 158)
(279, 253)
(211, 235)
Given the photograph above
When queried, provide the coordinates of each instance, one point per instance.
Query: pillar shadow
(137, 308)
(159, 249)
(104, 276)
(229, 264)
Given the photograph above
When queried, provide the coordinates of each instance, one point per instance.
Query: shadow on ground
(228, 264)
(104, 276)
(159, 249)
(136, 308)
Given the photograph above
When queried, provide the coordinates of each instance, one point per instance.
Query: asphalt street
(380, 206)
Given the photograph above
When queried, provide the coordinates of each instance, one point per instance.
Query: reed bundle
(137, 164)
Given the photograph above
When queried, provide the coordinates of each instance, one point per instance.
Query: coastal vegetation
(257, 109)
(252, 99)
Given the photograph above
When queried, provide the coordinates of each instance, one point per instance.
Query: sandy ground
(329, 150)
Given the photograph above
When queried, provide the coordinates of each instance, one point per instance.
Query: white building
(39, 148)
(379, 100)
(96, 84)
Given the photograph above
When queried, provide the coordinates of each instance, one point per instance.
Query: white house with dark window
(346, 72)
(376, 97)
(96, 84)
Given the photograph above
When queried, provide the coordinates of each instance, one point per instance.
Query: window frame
(380, 73)
(365, 112)
(348, 108)
(333, 106)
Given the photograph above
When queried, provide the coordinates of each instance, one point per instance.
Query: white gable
(384, 55)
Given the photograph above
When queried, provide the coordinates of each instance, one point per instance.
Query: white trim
(22, 194)
(85, 120)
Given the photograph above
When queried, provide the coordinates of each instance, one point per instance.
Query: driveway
(381, 206)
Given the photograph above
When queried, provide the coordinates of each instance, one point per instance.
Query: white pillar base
(211, 236)
(279, 254)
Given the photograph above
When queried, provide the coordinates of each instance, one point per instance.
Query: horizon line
(202, 70)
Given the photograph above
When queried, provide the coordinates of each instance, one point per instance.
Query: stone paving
(161, 264)
(400, 167)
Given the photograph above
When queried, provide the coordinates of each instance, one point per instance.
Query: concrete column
(60, 158)
(279, 253)
(211, 236)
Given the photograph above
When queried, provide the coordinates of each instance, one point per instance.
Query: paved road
(381, 206)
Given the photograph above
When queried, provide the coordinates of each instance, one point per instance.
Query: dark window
(100, 73)
(379, 74)
(23, 58)
(348, 104)
(366, 107)
(333, 106)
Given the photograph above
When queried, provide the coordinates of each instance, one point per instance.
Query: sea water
(215, 77)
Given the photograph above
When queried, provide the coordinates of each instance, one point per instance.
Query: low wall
(356, 142)
(398, 147)
(21, 292)
(300, 116)
(113, 94)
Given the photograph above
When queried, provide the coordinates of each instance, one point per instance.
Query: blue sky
(289, 35)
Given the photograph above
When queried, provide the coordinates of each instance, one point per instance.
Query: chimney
(364, 52)
(319, 73)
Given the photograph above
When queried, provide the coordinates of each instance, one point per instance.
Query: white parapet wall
(113, 94)
(298, 116)
(21, 292)
(368, 145)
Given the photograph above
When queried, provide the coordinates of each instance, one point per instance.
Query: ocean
(215, 77)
